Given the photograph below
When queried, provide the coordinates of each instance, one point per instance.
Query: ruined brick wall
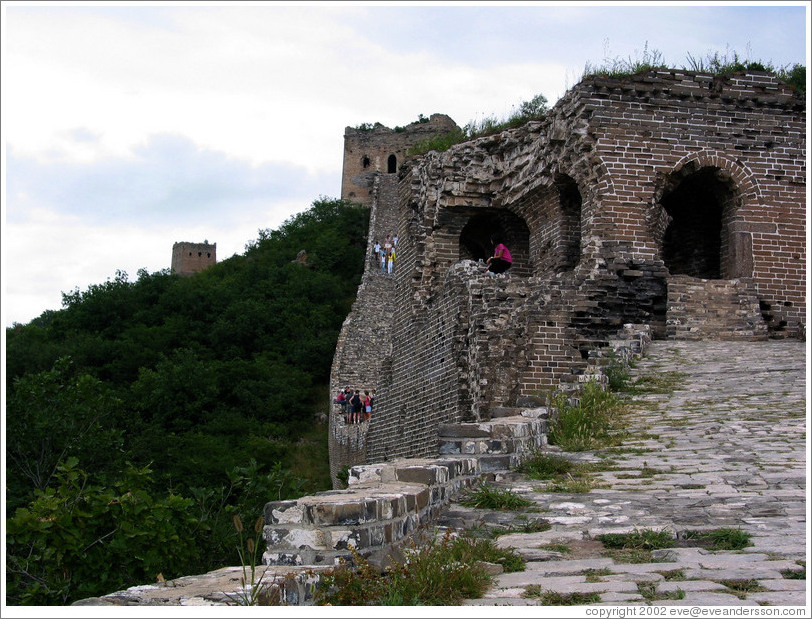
(191, 258)
(629, 186)
(377, 149)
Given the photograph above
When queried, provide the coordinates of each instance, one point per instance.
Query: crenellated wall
(629, 188)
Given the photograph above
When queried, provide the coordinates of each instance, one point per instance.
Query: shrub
(617, 372)
(79, 540)
(534, 109)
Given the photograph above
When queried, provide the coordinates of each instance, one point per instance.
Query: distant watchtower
(191, 258)
(375, 149)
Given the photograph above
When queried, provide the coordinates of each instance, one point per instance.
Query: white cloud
(131, 126)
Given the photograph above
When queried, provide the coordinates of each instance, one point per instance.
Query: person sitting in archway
(501, 260)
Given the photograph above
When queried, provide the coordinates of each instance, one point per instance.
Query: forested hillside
(145, 415)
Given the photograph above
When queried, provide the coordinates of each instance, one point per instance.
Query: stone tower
(191, 258)
(375, 149)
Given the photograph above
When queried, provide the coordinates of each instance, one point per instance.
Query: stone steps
(386, 503)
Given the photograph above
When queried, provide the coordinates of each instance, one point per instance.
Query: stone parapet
(387, 503)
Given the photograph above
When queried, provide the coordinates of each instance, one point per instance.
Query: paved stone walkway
(722, 447)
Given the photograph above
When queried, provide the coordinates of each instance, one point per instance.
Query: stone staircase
(713, 309)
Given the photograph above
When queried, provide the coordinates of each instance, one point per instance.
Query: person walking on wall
(367, 406)
(501, 260)
(390, 261)
(383, 262)
(377, 248)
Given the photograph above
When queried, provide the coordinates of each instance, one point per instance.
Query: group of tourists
(499, 262)
(355, 407)
(386, 254)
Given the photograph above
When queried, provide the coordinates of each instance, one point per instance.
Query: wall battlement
(672, 199)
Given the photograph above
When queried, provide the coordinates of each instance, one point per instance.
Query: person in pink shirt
(501, 260)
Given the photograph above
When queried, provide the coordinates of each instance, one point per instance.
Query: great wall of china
(669, 205)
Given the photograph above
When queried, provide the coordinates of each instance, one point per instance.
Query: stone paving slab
(724, 448)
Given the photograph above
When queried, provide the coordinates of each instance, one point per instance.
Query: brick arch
(695, 225)
(552, 211)
(464, 233)
(594, 181)
(743, 177)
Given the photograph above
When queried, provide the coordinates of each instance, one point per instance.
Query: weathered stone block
(283, 512)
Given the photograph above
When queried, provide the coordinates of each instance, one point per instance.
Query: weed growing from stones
(571, 485)
(596, 575)
(632, 451)
(635, 547)
(647, 539)
(671, 575)
(617, 373)
(720, 539)
(561, 548)
(741, 587)
(792, 574)
(545, 466)
(522, 525)
(551, 598)
(660, 383)
(650, 593)
(645, 471)
(490, 497)
(594, 421)
(254, 591)
(532, 526)
(438, 573)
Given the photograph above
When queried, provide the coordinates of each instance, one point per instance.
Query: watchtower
(375, 149)
(191, 258)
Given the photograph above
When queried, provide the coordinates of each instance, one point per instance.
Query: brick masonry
(670, 199)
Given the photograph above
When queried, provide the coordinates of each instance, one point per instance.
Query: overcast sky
(130, 126)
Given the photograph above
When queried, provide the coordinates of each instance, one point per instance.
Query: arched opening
(365, 162)
(553, 212)
(475, 240)
(570, 242)
(392, 164)
(699, 205)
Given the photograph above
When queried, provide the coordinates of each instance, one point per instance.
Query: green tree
(78, 539)
(54, 415)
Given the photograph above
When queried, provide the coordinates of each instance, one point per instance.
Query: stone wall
(626, 188)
